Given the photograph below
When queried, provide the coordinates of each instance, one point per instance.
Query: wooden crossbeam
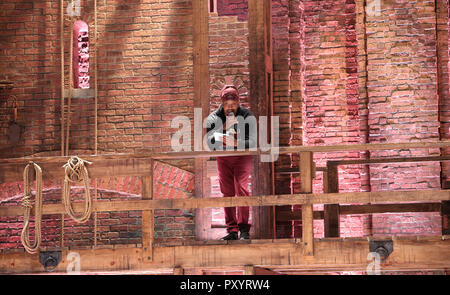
(270, 200)
(98, 169)
(207, 154)
(390, 160)
(409, 253)
(365, 209)
(11, 170)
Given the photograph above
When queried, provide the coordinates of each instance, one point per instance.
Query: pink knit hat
(229, 92)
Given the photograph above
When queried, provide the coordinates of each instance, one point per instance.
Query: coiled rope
(28, 205)
(76, 172)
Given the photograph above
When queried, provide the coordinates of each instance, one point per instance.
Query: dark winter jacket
(216, 121)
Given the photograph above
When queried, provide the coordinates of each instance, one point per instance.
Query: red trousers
(234, 175)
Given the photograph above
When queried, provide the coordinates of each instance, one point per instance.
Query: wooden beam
(331, 211)
(208, 154)
(261, 100)
(147, 217)
(200, 10)
(390, 160)
(409, 253)
(445, 217)
(365, 147)
(98, 169)
(264, 271)
(366, 209)
(306, 176)
(389, 208)
(269, 200)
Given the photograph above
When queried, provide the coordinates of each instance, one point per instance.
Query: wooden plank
(366, 209)
(208, 154)
(445, 217)
(331, 211)
(306, 176)
(295, 170)
(147, 217)
(365, 147)
(409, 253)
(98, 169)
(389, 208)
(264, 271)
(269, 200)
(391, 160)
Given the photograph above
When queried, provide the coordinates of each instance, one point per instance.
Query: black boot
(231, 236)
(245, 235)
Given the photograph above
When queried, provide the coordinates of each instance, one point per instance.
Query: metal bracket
(50, 259)
(383, 247)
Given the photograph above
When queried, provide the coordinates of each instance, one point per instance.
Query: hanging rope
(96, 115)
(61, 36)
(28, 204)
(75, 172)
(69, 98)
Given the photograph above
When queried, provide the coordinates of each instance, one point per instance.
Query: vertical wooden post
(261, 98)
(201, 100)
(306, 177)
(331, 211)
(445, 215)
(147, 217)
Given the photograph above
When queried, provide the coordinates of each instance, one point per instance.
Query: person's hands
(231, 120)
(229, 140)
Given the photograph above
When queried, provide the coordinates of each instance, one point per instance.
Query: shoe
(245, 235)
(230, 236)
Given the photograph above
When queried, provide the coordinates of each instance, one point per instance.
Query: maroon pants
(234, 175)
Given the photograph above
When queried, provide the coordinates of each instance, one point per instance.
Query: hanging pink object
(80, 54)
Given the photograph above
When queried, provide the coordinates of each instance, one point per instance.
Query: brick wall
(144, 74)
(442, 37)
(330, 97)
(403, 104)
(233, 7)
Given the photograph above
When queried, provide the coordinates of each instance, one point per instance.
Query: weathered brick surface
(144, 75)
(403, 104)
(233, 7)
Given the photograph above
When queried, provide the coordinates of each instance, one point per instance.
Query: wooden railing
(11, 170)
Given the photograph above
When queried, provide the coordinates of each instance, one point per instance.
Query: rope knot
(27, 202)
(75, 169)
